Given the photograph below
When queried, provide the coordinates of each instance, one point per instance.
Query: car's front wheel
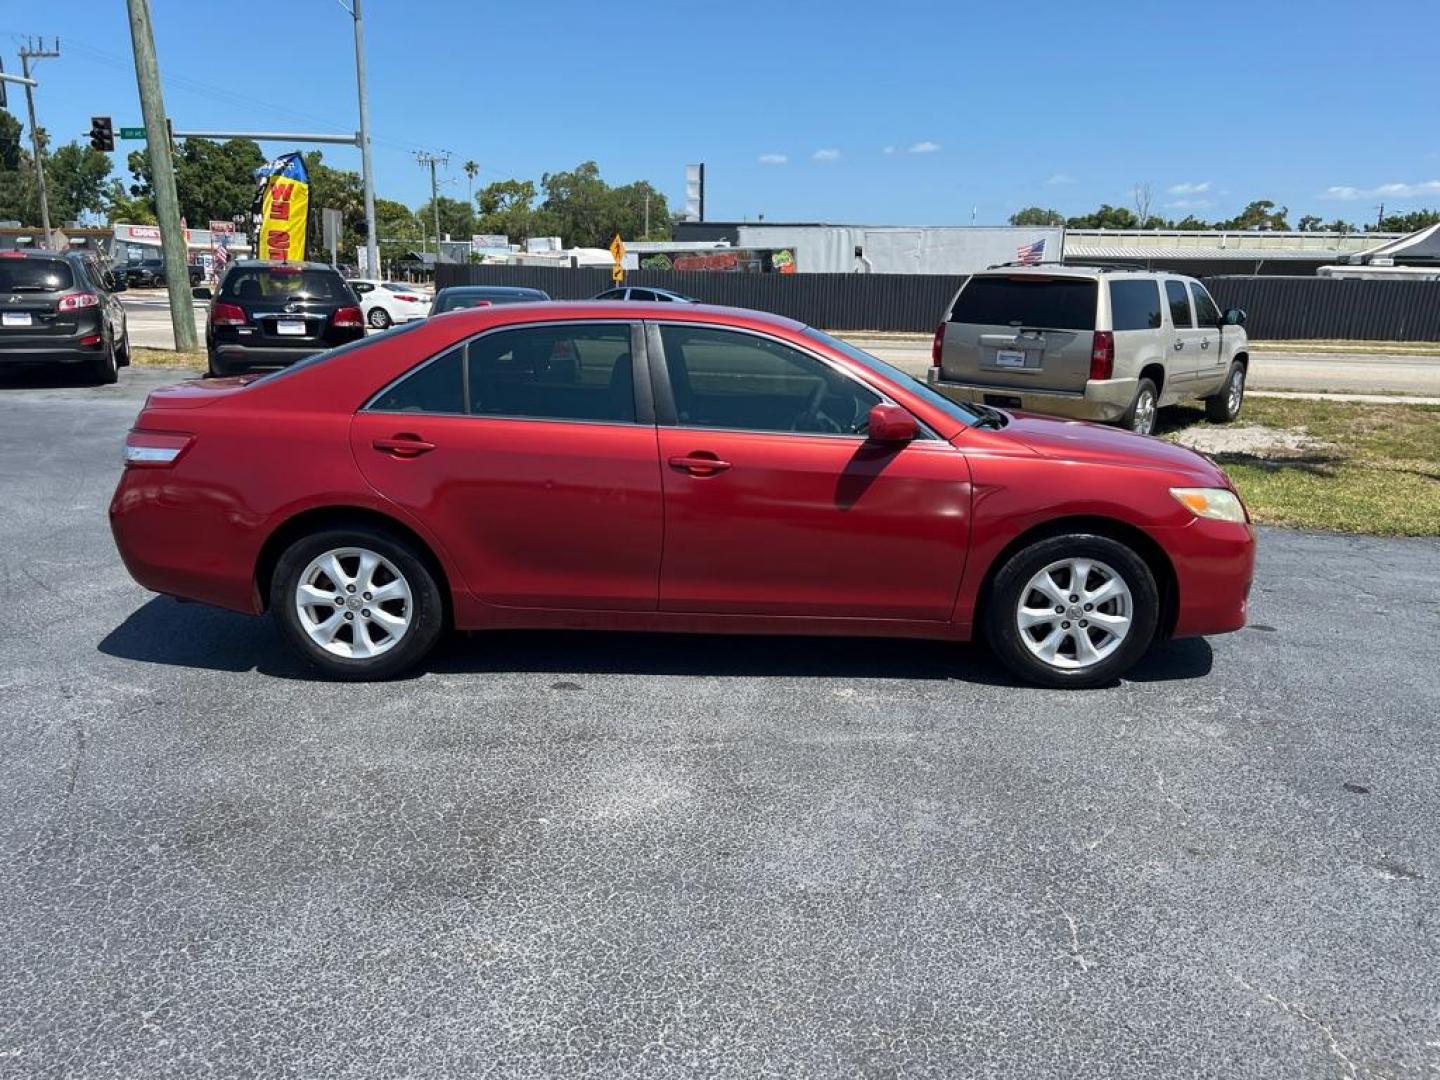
(1075, 610)
(357, 602)
(1225, 406)
(379, 318)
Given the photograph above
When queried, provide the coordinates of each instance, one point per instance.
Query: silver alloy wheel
(1237, 391)
(1144, 421)
(1074, 613)
(354, 603)
(379, 318)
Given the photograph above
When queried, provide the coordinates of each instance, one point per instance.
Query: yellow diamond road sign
(617, 249)
(617, 275)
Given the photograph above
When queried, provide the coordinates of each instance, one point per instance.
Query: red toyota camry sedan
(650, 467)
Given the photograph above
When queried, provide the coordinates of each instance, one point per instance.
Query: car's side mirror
(1235, 317)
(891, 424)
(201, 292)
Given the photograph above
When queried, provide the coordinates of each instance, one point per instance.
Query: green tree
(471, 170)
(457, 220)
(337, 189)
(1037, 215)
(121, 206)
(1190, 223)
(1107, 217)
(213, 181)
(1341, 226)
(507, 207)
(1310, 223)
(76, 182)
(1260, 214)
(1411, 222)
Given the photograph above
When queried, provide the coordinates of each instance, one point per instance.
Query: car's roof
(275, 264)
(30, 253)
(559, 310)
(490, 288)
(1072, 270)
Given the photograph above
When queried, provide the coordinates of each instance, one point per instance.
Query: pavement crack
(1297, 1010)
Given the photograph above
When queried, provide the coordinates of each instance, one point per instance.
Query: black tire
(1002, 611)
(379, 318)
(1225, 406)
(426, 615)
(1138, 416)
(123, 353)
(104, 369)
(215, 368)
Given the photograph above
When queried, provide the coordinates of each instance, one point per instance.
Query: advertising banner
(284, 209)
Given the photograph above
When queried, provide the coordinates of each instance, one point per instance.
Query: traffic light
(102, 134)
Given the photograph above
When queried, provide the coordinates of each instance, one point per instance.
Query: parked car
(271, 314)
(385, 303)
(646, 293)
(1090, 342)
(150, 273)
(61, 308)
(456, 297)
(647, 468)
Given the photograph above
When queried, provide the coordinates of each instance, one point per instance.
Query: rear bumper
(236, 356)
(66, 350)
(1103, 400)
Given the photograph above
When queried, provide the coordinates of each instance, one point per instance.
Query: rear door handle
(699, 464)
(1205, 343)
(404, 446)
(1179, 345)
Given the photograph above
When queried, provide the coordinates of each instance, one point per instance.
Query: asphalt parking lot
(623, 855)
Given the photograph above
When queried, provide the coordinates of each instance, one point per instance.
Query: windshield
(283, 283)
(35, 275)
(916, 386)
(340, 351)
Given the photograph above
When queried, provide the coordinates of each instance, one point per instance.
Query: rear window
(265, 283)
(1135, 305)
(1044, 303)
(35, 275)
(453, 301)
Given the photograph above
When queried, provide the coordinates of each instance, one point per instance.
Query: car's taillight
(227, 315)
(78, 301)
(937, 346)
(151, 449)
(349, 316)
(1102, 355)
(408, 299)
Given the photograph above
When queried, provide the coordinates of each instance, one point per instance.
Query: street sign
(617, 252)
(132, 133)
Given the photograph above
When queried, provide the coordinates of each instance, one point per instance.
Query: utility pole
(33, 52)
(162, 176)
(1379, 212)
(367, 174)
(424, 158)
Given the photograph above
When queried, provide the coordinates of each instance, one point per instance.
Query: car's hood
(1076, 440)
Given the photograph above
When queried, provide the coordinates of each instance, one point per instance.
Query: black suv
(151, 272)
(270, 314)
(61, 308)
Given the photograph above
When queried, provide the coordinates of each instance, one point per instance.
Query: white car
(388, 302)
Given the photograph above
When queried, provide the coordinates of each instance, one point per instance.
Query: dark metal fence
(1288, 308)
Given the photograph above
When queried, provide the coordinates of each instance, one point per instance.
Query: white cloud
(1189, 204)
(1060, 178)
(1424, 189)
(925, 147)
(1189, 188)
(889, 149)
(773, 159)
(829, 153)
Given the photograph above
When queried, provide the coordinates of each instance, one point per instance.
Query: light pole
(367, 175)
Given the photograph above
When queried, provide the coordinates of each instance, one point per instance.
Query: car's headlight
(1215, 503)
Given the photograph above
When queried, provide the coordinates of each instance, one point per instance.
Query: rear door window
(35, 275)
(1031, 301)
(1179, 304)
(1135, 305)
(560, 372)
(437, 387)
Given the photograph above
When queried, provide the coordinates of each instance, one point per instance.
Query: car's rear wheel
(215, 367)
(123, 356)
(357, 602)
(1140, 417)
(1225, 406)
(1074, 610)
(379, 318)
(104, 369)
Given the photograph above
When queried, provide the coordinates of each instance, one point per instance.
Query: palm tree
(472, 170)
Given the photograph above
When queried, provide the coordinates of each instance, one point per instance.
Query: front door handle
(403, 446)
(1179, 345)
(700, 463)
(1204, 343)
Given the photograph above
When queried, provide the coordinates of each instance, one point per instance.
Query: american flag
(219, 253)
(1030, 254)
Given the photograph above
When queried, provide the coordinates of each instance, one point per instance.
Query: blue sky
(898, 112)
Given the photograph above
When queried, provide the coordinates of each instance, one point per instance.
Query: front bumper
(1214, 565)
(1105, 400)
